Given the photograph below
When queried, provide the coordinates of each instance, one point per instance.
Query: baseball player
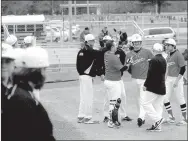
(185, 54)
(120, 53)
(138, 69)
(12, 40)
(112, 82)
(155, 88)
(174, 82)
(29, 41)
(25, 118)
(87, 68)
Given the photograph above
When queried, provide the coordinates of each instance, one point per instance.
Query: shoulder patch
(118, 55)
(81, 54)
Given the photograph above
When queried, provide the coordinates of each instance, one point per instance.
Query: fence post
(178, 32)
(51, 40)
(14, 28)
(142, 21)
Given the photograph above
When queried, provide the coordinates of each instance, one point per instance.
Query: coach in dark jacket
(87, 68)
(155, 87)
(24, 118)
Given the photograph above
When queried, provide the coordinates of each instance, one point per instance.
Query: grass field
(62, 101)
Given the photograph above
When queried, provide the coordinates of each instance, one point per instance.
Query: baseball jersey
(140, 64)
(112, 67)
(174, 63)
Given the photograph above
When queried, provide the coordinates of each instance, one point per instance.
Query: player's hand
(175, 84)
(102, 77)
(144, 88)
(129, 61)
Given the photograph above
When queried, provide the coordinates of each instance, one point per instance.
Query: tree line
(115, 7)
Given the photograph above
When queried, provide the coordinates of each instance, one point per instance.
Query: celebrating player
(113, 71)
(139, 67)
(174, 82)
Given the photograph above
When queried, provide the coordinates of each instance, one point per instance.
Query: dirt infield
(62, 102)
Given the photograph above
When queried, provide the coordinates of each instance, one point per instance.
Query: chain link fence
(57, 33)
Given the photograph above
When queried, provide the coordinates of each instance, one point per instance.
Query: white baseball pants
(178, 91)
(140, 84)
(185, 74)
(113, 90)
(153, 105)
(86, 96)
(123, 102)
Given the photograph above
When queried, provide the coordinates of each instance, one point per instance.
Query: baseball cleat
(170, 120)
(113, 125)
(181, 123)
(110, 124)
(153, 129)
(80, 120)
(140, 122)
(90, 121)
(158, 123)
(127, 119)
(106, 119)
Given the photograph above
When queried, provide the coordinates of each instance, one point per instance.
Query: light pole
(70, 19)
(75, 8)
(88, 9)
(52, 7)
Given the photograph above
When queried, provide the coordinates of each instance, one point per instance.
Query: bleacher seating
(61, 57)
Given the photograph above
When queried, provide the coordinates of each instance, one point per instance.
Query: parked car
(151, 35)
(76, 29)
(55, 34)
(159, 33)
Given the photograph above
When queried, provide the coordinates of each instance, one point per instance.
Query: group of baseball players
(158, 73)
(23, 117)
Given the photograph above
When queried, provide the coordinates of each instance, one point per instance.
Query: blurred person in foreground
(24, 117)
(7, 68)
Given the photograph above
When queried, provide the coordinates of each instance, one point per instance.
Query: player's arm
(118, 65)
(152, 67)
(181, 63)
(79, 62)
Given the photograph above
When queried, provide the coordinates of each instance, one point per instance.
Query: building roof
(80, 5)
(14, 19)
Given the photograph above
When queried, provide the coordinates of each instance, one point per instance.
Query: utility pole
(88, 9)
(70, 19)
(52, 7)
(156, 7)
(75, 8)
